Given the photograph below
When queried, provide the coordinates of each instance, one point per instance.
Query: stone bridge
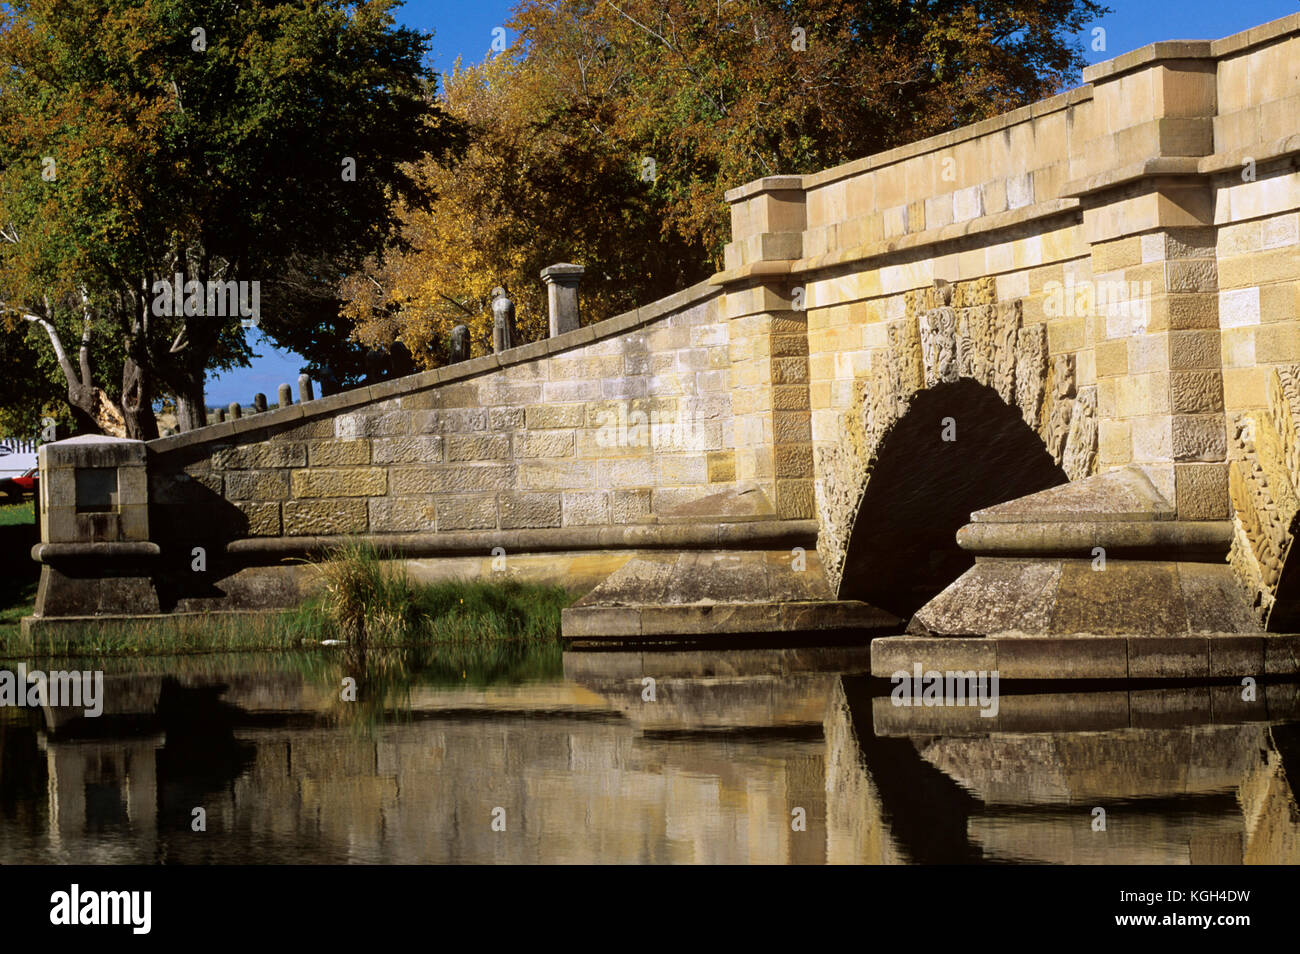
(1036, 376)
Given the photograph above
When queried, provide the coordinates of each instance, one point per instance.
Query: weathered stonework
(981, 341)
(1098, 263)
(1262, 481)
(1031, 372)
(1080, 457)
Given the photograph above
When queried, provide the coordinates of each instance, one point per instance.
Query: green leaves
(204, 137)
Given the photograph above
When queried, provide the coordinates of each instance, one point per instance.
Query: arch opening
(958, 448)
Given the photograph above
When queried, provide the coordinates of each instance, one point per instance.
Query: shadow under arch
(1284, 614)
(902, 550)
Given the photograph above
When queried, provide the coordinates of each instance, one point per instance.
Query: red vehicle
(16, 488)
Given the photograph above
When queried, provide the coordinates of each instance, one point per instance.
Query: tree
(609, 131)
(718, 94)
(532, 188)
(32, 385)
(151, 145)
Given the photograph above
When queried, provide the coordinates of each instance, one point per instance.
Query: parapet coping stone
(1256, 36)
(414, 383)
(1144, 56)
(92, 450)
(1231, 45)
(941, 141)
(792, 183)
(914, 240)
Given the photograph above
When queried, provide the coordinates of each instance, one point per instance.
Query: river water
(536, 755)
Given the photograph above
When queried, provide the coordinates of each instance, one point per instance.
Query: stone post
(259, 402)
(220, 415)
(305, 392)
(562, 295)
(94, 489)
(235, 411)
(285, 395)
(769, 344)
(96, 556)
(503, 321)
(459, 345)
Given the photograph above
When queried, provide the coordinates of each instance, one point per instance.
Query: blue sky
(464, 29)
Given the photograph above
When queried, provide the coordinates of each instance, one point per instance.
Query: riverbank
(364, 599)
(445, 614)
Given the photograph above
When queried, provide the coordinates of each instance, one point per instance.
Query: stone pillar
(96, 555)
(769, 344)
(503, 321)
(562, 296)
(236, 412)
(459, 345)
(259, 402)
(94, 490)
(305, 392)
(1154, 278)
(285, 395)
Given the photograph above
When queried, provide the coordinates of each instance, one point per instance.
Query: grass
(17, 514)
(367, 602)
(367, 598)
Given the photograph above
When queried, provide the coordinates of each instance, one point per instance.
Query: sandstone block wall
(621, 430)
(1144, 225)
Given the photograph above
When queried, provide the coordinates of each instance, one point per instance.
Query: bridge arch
(963, 409)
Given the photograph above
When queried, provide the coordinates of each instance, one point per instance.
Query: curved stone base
(665, 596)
(1105, 556)
(1067, 597)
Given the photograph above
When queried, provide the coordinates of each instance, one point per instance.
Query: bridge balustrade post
(769, 344)
(562, 296)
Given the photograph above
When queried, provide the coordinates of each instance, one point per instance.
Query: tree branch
(68, 370)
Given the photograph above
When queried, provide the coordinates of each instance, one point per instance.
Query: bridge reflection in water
(707, 763)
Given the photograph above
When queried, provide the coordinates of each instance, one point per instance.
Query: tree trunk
(137, 409)
(191, 411)
(84, 403)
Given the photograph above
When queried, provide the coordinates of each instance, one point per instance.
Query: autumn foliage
(608, 133)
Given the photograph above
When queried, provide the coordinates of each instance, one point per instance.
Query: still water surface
(581, 762)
